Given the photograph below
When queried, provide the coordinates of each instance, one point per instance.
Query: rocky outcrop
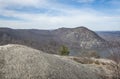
(21, 62)
(80, 37)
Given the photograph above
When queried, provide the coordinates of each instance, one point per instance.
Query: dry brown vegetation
(115, 56)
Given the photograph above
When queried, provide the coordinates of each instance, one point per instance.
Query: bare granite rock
(21, 62)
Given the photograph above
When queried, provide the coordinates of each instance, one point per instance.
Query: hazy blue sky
(52, 14)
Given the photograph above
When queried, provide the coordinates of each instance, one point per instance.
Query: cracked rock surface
(21, 62)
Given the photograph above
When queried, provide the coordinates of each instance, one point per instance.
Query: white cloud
(67, 16)
(85, 1)
(23, 3)
(72, 18)
(19, 2)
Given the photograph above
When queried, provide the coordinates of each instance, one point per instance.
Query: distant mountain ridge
(110, 35)
(50, 41)
(84, 37)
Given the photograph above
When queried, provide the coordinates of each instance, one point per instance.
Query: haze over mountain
(50, 41)
(113, 36)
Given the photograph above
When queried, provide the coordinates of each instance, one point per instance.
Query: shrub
(64, 50)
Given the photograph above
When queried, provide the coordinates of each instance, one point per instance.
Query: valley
(64, 53)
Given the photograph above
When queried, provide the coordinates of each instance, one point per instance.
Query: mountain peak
(81, 27)
(83, 36)
(77, 29)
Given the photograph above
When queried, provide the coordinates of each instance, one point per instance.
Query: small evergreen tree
(64, 50)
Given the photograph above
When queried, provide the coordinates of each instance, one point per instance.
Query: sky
(98, 15)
